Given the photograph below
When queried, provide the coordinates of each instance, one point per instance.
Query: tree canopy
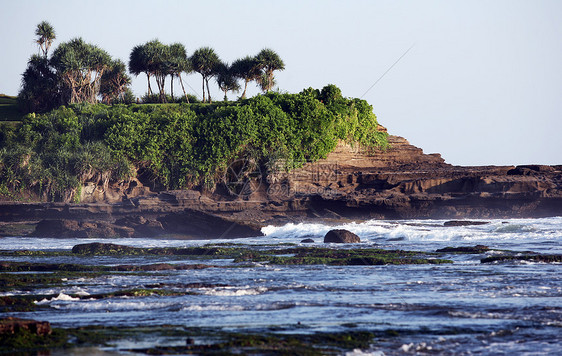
(77, 71)
(81, 66)
(246, 69)
(207, 63)
(268, 61)
(45, 36)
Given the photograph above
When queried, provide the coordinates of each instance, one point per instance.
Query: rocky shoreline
(401, 183)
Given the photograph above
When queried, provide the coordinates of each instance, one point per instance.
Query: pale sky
(482, 84)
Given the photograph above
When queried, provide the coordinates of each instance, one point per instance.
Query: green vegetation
(177, 146)
(50, 156)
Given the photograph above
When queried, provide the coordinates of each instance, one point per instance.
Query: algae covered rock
(341, 236)
(465, 249)
(464, 223)
(12, 325)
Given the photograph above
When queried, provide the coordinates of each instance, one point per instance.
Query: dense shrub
(179, 145)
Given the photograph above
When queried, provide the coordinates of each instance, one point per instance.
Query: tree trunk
(203, 89)
(172, 87)
(161, 81)
(208, 91)
(182, 88)
(149, 88)
(245, 87)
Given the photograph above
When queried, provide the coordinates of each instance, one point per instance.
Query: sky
(478, 81)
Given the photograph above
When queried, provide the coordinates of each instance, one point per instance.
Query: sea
(463, 308)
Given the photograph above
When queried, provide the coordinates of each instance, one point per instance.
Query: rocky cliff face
(402, 182)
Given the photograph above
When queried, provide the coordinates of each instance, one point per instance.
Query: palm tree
(179, 63)
(139, 63)
(81, 66)
(226, 79)
(114, 82)
(268, 61)
(39, 86)
(247, 69)
(45, 36)
(158, 64)
(205, 62)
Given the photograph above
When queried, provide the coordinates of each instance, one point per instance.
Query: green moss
(218, 342)
(27, 281)
(26, 342)
(18, 303)
(336, 257)
(284, 256)
(136, 292)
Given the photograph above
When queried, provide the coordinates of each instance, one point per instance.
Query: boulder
(307, 241)
(341, 236)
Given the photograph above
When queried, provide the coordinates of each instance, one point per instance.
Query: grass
(9, 109)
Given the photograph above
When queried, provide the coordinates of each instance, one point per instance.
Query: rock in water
(307, 241)
(341, 236)
(464, 223)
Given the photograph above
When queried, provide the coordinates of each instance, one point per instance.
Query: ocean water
(462, 308)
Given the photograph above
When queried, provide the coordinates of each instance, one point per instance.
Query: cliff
(402, 182)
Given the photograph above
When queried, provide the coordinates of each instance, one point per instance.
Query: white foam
(120, 304)
(61, 297)
(368, 231)
(359, 352)
(234, 291)
(428, 230)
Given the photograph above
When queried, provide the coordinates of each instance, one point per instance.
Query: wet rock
(12, 325)
(465, 249)
(464, 223)
(341, 236)
(307, 241)
(161, 267)
(98, 248)
(532, 258)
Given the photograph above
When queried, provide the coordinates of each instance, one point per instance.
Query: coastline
(349, 185)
